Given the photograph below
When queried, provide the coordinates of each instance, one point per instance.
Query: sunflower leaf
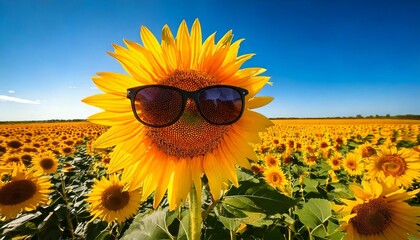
(152, 226)
(314, 213)
(253, 197)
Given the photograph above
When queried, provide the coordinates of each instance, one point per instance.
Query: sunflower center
(393, 165)
(114, 198)
(16, 192)
(191, 135)
(275, 178)
(336, 162)
(368, 151)
(372, 217)
(351, 165)
(47, 163)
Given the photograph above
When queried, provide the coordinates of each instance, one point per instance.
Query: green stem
(70, 224)
(209, 209)
(195, 215)
(232, 235)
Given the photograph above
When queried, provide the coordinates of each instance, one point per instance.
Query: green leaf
(334, 232)
(253, 197)
(230, 223)
(342, 191)
(152, 226)
(246, 175)
(257, 219)
(315, 212)
(184, 225)
(310, 185)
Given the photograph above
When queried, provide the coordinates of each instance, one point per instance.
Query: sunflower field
(311, 179)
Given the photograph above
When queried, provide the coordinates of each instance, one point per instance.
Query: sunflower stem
(68, 218)
(209, 209)
(195, 215)
(232, 235)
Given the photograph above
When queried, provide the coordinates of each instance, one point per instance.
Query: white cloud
(18, 100)
(72, 87)
(93, 88)
(11, 91)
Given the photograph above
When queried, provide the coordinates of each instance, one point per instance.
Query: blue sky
(325, 58)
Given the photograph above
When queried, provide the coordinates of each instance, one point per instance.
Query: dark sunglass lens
(221, 105)
(158, 106)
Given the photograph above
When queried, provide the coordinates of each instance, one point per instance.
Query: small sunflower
(11, 159)
(335, 161)
(400, 167)
(173, 158)
(379, 212)
(353, 165)
(46, 162)
(24, 192)
(271, 160)
(275, 177)
(366, 150)
(110, 201)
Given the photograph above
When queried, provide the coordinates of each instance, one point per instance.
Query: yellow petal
(257, 102)
(109, 103)
(196, 41)
(117, 134)
(213, 175)
(112, 119)
(184, 45)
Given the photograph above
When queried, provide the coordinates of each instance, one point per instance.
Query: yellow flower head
(275, 177)
(174, 157)
(46, 162)
(110, 201)
(24, 192)
(352, 164)
(379, 212)
(399, 167)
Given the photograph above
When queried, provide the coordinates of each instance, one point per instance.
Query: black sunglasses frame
(132, 92)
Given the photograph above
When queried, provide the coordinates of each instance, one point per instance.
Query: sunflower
(400, 167)
(46, 162)
(109, 200)
(271, 160)
(175, 157)
(352, 164)
(275, 177)
(24, 192)
(335, 161)
(11, 159)
(379, 212)
(366, 150)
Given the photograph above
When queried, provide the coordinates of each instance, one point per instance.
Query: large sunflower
(24, 192)
(109, 200)
(399, 167)
(46, 162)
(379, 212)
(175, 157)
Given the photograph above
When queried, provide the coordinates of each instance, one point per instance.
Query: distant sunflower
(353, 165)
(275, 177)
(335, 161)
(400, 167)
(110, 201)
(379, 212)
(366, 150)
(24, 192)
(175, 157)
(46, 162)
(11, 159)
(271, 160)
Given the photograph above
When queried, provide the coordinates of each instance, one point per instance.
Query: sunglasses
(161, 105)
